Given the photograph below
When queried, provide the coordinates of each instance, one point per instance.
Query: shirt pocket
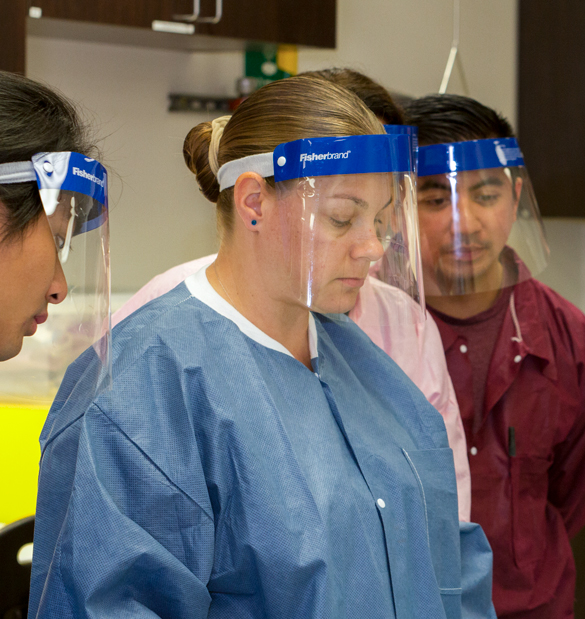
(435, 474)
(528, 480)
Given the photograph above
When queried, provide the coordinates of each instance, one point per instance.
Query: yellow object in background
(20, 428)
(287, 59)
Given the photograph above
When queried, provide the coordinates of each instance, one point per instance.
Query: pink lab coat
(416, 347)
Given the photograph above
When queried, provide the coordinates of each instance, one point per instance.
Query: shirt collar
(535, 336)
(535, 332)
(200, 288)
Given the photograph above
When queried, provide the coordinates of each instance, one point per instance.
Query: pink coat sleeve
(160, 285)
(385, 314)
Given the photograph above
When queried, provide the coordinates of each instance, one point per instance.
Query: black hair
(373, 95)
(33, 119)
(454, 118)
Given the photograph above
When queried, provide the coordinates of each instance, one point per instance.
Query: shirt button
(463, 348)
(473, 451)
(381, 503)
(517, 359)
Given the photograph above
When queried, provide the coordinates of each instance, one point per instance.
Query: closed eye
(487, 199)
(340, 224)
(435, 202)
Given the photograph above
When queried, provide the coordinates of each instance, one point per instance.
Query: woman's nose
(58, 289)
(368, 247)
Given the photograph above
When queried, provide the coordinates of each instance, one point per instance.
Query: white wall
(566, 270)
(404, 44)
(158, 218)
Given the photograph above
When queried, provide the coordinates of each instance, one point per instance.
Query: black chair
(14, 578)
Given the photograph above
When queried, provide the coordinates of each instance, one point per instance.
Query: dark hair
(33, 119)
(376, 98)
(453, 118)
(305, 106)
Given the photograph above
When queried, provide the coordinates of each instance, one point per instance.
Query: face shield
(73, 191)
(346, 215)
(479, 220)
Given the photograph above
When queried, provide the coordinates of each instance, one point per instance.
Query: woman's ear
(251, 199)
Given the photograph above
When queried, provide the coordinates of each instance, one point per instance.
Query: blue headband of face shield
(412, 132)
(82, 178)
(309, 157)
(469, 155)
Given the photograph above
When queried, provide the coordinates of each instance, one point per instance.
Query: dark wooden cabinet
(12, 34)
(301, 22)
(242, 22)
(551, 102)
(132, 13)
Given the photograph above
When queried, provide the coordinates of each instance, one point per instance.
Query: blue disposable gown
(221, 478)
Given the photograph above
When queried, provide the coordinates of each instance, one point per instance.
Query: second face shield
(347, 220)
(480, 225)
(348, 212)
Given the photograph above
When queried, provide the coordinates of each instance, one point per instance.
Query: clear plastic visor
(77, 213)
(480, 228)
(351, 246)
(345, 231)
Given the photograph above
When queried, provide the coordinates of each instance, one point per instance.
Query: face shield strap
(229, 172)
(311, 157)
(469, 155)
(17, 172)
(56, 171)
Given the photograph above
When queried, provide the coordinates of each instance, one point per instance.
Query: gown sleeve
(476, 573)
(118, 553)
(566, 479)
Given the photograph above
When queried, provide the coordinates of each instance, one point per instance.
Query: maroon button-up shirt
(529, 497)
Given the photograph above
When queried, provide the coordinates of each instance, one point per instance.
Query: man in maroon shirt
(515, 351)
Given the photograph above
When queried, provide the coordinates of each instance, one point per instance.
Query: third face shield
(480, 225)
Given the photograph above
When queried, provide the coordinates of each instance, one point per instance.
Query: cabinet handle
(194, 17)
(216, 18)
(190, 18)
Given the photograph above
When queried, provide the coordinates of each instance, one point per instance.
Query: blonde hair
(286, 110)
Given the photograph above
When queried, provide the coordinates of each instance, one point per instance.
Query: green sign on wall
(270, 63)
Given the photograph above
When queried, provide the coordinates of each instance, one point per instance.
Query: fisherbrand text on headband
(358, 154)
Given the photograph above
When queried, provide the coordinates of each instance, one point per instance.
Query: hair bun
(196, 154)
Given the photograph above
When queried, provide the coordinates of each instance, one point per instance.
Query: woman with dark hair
(41, 207)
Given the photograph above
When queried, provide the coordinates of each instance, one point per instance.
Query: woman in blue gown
(254, 458)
